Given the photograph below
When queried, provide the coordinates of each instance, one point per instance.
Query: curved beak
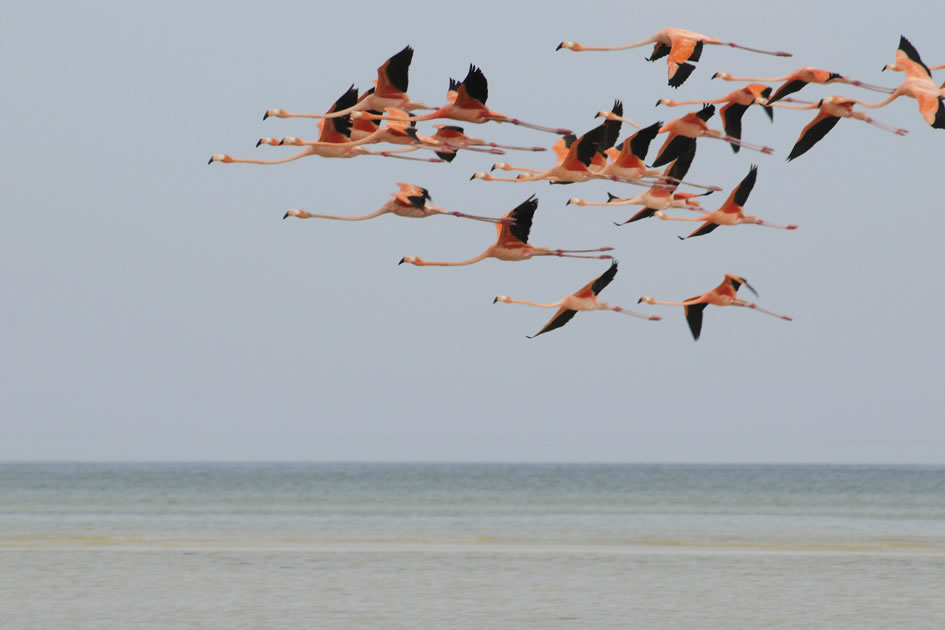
(560, 46)
(402, 260)
(495, 300)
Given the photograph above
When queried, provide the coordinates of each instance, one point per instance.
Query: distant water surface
(470, 545)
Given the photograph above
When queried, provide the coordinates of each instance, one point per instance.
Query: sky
(157, 308)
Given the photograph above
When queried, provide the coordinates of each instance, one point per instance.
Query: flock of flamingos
(382, 115)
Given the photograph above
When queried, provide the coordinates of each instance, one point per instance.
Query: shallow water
(470, 546)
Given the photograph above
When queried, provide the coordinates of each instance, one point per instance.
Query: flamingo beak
(495, 300)
(285, 216)
(560, 46)
(402, 260)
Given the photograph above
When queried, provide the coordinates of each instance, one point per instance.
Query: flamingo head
(570, 46)
(302, 214)
(278, 113)
(220, 157)
(646, 299)
(413, 260)
(500, 298)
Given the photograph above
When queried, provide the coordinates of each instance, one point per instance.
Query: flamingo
(448, 139)
(661, 195)
(832, 109)
(918, 84)
(573, 167)
(390, 90)
(737, 103)
(584, 299)
(467, 103)
(731, 211)
(333, 140)
(610, 130)
(799, 78)
(693, 125)
(722, 295)
(680, 45)
(512, 242)
(409, 201)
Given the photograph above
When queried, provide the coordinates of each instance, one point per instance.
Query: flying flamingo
(680, 45)
(448, 139)
(467, 103)
(918, 84)
(799, 78)
(626, 160)
(693, 125)
(607, 134)
(662, 195)
(584, 299)
(333, 141)
(731, 211)
(722, 295)
(512, 242)
(408, 201)
(832, 109)
(573, 167)
(737, 103)
(390, 90)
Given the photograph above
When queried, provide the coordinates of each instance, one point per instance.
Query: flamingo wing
(640, 141)
(739, 196)
(562, 317)
(522, 220)
(932, 109)
(473, 92)
(339, 129)
(908, 57)
(585, 147)
(602, 280)
(646, 213)
(392, 75)
(693, 313)
(732, 121)
(766, 93)
(812, 134)
(683, 50)
(611, 128)
(680, 167)
(672, 149)
(702, 230)
(789, 87)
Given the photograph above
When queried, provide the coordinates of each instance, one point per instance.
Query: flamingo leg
(779, 53)
(390, 154)
(867, 119)
(623, 311)
(774, 225)
(499, 118)
(755, 307)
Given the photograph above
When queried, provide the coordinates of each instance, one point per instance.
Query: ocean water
(470, 546)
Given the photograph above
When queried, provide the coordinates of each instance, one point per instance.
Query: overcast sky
(158, 308)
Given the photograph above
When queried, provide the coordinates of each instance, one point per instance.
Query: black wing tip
(682, 73)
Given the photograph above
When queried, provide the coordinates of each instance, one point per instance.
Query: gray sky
(159, 308)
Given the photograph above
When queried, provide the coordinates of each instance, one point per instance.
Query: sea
(443, 546)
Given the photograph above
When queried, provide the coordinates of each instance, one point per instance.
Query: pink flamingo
(731, 212)
(722, 295)
(679, 46)
(584, 299)
(409, 201)
(512, 242)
